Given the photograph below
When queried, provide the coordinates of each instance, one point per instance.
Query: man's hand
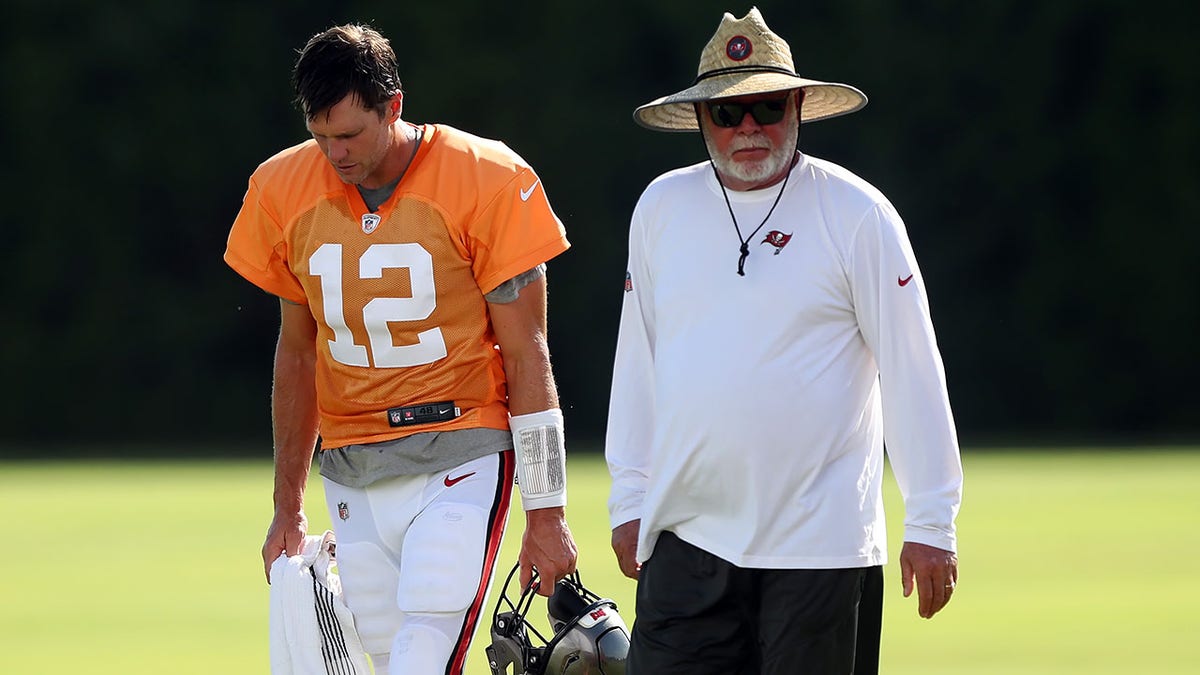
(624, 544)
(547, 545)
(933, 571)
(285, 535)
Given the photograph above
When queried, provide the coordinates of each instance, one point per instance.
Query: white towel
(312, 630)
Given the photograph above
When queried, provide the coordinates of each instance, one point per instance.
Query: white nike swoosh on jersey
(526, 193)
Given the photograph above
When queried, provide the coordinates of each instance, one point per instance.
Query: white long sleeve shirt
(749, 414)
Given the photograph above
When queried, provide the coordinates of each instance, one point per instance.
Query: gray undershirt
(358, 466)
(375, 197)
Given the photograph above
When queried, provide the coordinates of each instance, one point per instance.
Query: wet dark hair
(350, 59)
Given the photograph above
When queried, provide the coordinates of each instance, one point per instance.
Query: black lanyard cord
(745, 249)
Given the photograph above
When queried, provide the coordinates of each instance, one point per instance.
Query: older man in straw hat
(775, 332)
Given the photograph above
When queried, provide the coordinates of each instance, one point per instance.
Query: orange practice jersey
(398, 294)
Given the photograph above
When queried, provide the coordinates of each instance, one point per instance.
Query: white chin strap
(541, 458)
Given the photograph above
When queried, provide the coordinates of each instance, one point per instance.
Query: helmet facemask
(589, 637)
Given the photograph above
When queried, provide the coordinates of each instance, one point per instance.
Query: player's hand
(284, 536)
(624, 544)
(934, 573)
(547, 545)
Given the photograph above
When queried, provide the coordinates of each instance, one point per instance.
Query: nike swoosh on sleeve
(526, 194)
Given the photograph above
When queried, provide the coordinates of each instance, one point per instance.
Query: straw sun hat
(745, 57)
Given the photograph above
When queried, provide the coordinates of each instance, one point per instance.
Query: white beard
(757, 172)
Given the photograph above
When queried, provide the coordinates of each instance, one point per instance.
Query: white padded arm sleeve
(541, 458)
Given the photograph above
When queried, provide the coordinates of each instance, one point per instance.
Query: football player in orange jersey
(409, 260)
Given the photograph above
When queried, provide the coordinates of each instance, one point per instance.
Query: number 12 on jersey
(326, 263)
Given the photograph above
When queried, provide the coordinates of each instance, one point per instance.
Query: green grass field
(1071, 562)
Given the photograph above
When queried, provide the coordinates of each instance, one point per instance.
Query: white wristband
(541, 458)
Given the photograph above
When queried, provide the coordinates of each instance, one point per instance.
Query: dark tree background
(1044, 155)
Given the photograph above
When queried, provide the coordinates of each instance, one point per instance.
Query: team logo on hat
(776, 239)
(738, 48)
(370, 221)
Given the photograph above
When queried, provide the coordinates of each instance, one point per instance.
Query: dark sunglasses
(729, 114)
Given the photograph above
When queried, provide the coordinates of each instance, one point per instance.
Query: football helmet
(588, 635)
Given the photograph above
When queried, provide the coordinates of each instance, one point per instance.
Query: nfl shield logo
(370, 221)
(343, 510)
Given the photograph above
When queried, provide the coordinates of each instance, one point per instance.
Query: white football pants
(416, 556)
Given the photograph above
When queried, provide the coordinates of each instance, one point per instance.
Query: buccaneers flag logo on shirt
(777, 239)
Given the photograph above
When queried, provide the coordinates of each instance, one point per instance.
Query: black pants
(697, 614)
